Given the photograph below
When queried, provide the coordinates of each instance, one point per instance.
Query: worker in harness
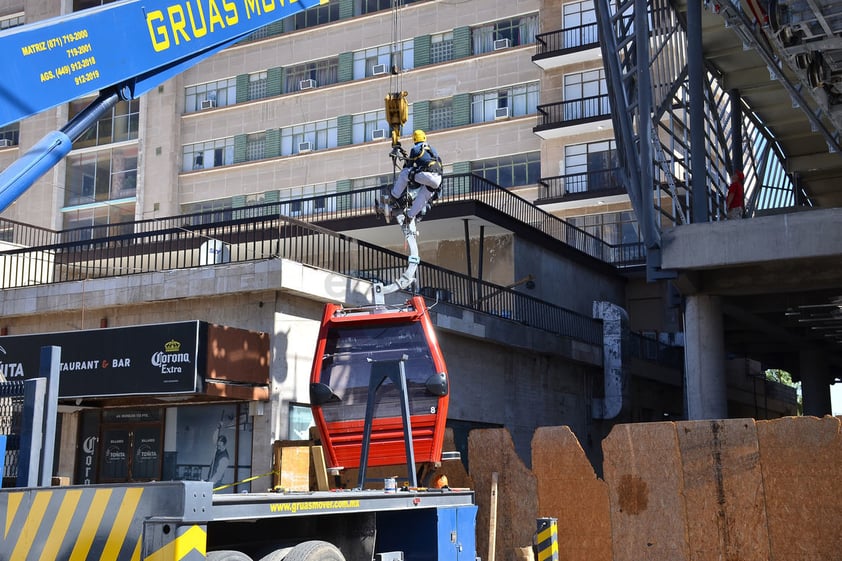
(423, 166)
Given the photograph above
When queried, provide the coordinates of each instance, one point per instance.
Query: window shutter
(275, 81)
(272, 144)
(461, 110)
(240, 142)
(242, 88)
(346, 9)
(422, 50)
(345, 70)
(343, 130)
(421, 115)
(343, 202)
(275, 28)
(461, 42)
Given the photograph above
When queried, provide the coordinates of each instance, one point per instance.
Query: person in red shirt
(735, 199)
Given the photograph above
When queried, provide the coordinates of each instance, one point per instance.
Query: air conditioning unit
(5, 143)
(501, 44)
(306, 84)
(213, 252)
(378, 134)
(208, 103)
(501, 113)
(378, 69)
(304, 147)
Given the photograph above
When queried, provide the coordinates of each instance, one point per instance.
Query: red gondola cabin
(359, 349)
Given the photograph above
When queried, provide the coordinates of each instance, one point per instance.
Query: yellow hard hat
(419, 136)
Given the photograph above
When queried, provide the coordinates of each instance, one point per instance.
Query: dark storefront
(166, 401)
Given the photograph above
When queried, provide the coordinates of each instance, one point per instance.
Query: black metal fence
(556, 43)
(351, 204)
(11, 413)
(266, 237)
(590, 182)
(264, 232)
(565, 112)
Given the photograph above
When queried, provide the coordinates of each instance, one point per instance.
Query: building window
(506, 33)
(369, 126)
(210, 154)
(514, 101)
(613, 227)
(587, 165)
(118, 126)
(319, 135)
(370, 62)
(317, 15)
(100, 215)
(300, 421)
(373, 126)
(579, 24)
(262, 33)
(441, 47)
(322, 73)
(441, 114)
(12, 20)
(101, 176)
(257, 85)
(510, 171)
(84, 4)
(210, 95)
(208, 212)
(307, 200)
(10, 135)
(591, 90)
(256, 146)
(362, 7)
(359, 183)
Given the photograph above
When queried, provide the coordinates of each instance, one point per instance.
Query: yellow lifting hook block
(397, 112)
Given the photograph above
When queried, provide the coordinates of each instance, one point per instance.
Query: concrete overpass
(769, 288)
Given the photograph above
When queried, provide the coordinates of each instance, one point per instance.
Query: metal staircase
(667, 100)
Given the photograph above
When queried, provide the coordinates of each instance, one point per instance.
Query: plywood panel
(295, 468)
(801, 458)
(490, 451)
(723, 490)
(569, 491)
(643, 472)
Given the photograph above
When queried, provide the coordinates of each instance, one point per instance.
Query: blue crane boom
(120, 50)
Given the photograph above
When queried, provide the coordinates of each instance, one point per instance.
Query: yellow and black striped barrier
(104, 523)
(546, 540)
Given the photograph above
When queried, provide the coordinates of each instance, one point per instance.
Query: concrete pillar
(705, 386)
(815, 384)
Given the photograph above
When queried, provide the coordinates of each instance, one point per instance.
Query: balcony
(567, 46)
(585, 114)
(578, 186)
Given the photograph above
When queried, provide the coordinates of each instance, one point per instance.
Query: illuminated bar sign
(168, 358)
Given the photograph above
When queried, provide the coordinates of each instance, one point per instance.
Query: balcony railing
(336, 206)
(574, 111)
(359, 203)
(557, 43)
(273, 236)
(575, 186)
(18, 233)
